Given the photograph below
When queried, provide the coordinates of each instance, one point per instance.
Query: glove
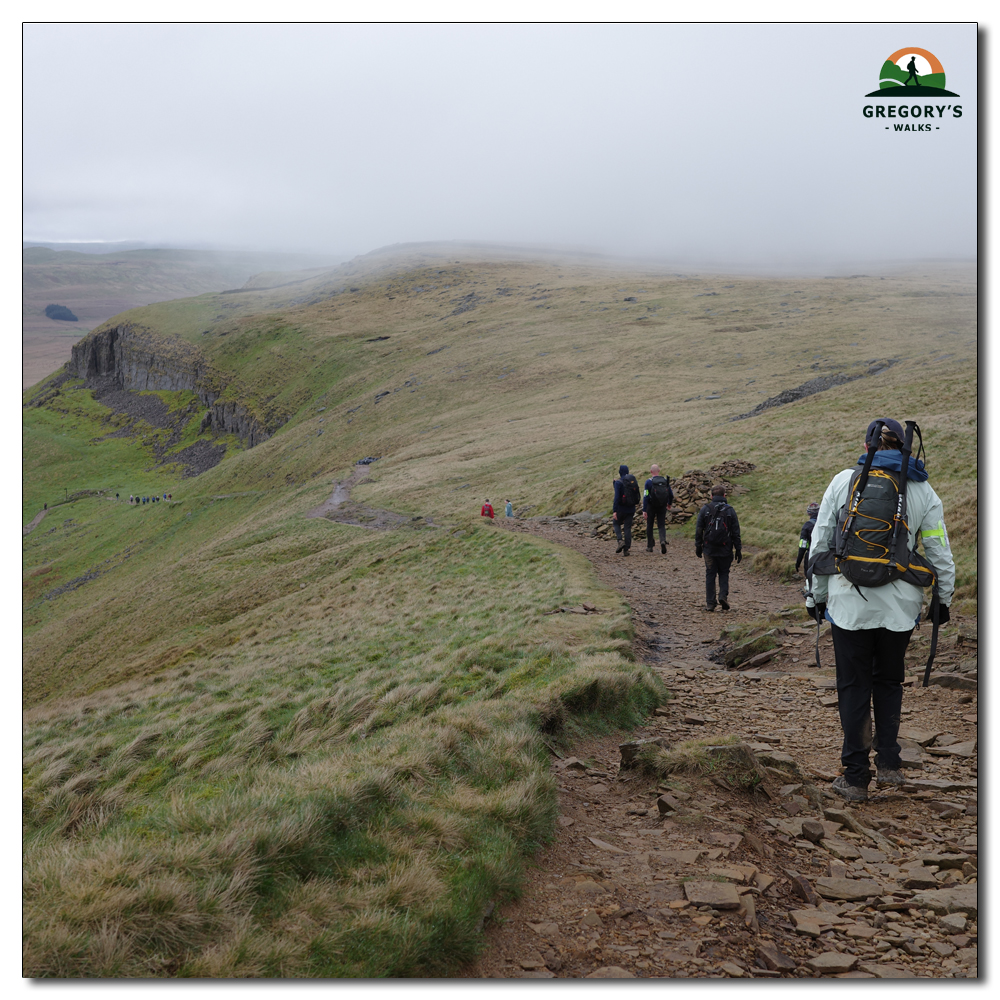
(944, 615)
(739, 555)
(816, 613)
(697, 551)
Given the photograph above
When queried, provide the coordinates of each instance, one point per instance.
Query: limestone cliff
(138, 360)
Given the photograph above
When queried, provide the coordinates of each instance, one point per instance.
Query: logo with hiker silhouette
(914, 72)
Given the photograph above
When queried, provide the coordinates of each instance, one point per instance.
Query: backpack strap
(899, 520)
(859, 488)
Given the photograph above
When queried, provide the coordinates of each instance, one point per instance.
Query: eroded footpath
(681, 876)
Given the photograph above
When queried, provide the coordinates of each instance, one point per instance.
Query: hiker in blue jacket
(626, 500)
(657, 496)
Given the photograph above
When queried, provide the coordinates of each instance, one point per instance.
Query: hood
(890, 461)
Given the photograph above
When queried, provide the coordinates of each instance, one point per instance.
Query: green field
(263, 744)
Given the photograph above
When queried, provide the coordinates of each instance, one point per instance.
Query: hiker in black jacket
(717, 534)
(805, 536)
(657, 496)
(626, 500)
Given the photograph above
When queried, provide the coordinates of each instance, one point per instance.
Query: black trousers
(870, 674)
(624, 526)
(660, 516)
(716, 566)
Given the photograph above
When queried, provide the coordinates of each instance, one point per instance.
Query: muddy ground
(684, 877)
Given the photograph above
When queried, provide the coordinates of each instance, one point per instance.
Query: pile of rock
(694, 488)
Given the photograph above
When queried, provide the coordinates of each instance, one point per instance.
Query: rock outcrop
(138, 360)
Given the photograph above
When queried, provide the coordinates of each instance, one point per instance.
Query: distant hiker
(627, 498)
(116, 496)
(170, 496)
(867, 581)
(508, 510)
(487, 510)
(805, 535)
(717, 534)
(911, 68)
(657, 496)
(45, 506)
(164, 496)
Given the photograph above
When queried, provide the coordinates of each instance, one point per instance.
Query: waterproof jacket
(805, 539)
(895, 606)
(487, 511)
(621, 505)
(729, 515)
(649, 501)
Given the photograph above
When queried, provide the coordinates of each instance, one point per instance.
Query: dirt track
(616, 895)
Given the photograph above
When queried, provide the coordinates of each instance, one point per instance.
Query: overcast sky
(732, 143)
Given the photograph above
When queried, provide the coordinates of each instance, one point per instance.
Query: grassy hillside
(286, 746)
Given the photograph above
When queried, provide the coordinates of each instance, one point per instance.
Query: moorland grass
(262, 744)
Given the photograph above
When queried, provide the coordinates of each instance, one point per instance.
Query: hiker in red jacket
(487, 510)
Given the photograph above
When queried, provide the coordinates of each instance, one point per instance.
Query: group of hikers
(153, 499)
(487, 509)
(863, 575)
(717, 530)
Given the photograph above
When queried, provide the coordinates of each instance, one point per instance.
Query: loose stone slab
(775, 960)
(832, 962)
(967, 749)
(676, 857)
(925, 737)
(841, 849)
(934, 785)
(720, 895)
(847, 888)
(886, 971)
(956, 899)
(605, 846)
(610, 972)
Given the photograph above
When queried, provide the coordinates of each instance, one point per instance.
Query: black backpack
(661, 490)
(630, 490)
(870, 547)
(716, 533)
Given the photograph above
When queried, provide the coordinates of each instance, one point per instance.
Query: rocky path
(682, 877)
(33, 523)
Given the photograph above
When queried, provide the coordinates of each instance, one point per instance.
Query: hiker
(508, 510)
(487, 510)
(717, 534)
(657, 496)
(116, 496)
(871, 599)
(805, 535)
(911, 68)
(626, 500)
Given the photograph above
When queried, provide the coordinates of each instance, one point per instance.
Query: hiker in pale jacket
(872, 625)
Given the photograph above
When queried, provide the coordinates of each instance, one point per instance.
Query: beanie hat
(622, 470)
(812, 510)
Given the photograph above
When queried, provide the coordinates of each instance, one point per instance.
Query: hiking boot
(663, 548)
(724, 603)
(621, 545)
(889, 776)
(853, 793)
(709, 607)
(625, 552)
(649, 548)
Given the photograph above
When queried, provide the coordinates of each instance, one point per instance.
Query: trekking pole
(899, 521)
(936, 619)
(819, 625)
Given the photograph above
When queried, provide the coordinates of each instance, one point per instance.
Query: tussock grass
(725, 760)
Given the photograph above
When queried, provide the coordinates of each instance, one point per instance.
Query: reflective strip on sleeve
(938, 532)
(803, 544)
